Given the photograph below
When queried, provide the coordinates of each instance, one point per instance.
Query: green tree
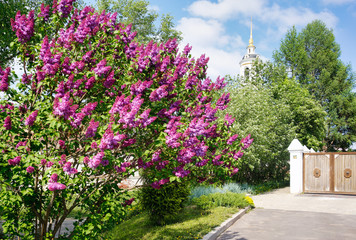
(143, 19)
(271, 126)
(317, 66)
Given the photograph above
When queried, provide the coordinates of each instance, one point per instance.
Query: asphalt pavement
(280, 215)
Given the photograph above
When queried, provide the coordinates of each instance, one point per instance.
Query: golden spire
(251, 39)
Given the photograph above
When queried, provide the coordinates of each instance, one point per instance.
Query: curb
(215, 233)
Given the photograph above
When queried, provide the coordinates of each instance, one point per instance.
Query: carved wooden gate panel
(329, 173)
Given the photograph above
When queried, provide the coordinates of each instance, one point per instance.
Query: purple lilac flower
(128, 142)
(229, 120)
(220, 83)
(202, 163)
(180, 172)
(216, 161)
(65, 7)
(128, 202)
(56, 186)
(87, 56)
(93, 127)
(43, 162)
(223, 101)
(238, 155)
(7, 123)
(96, 160)
(155, 156)
(63, 160)
(44, 12)
(31, 119)
(101, 68)
(110, 80)
(15, 161)
(94, 145)
(139, 87)
(120, 103)
(105, 162)
(191, 142)
(172, 139)
(30, 169)
(234, 171)
(187, 49)
(21, 144)
(155, 185)
(197, 127)
(162, 165)
(185, 155)
(49, 164)
(53, 178)
(86, 160)
(247, 141)
(64, 107)
(200, 149)
(26, 78)
(67, 168)
(23, 26)
(62, 144)
(232, 139)
(4, 79)
(111, 141)
(159, 93)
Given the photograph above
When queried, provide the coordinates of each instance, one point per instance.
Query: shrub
(93, 107)
(227, 199)
(164, 203)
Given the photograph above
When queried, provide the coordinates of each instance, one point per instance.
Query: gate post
(296, 166)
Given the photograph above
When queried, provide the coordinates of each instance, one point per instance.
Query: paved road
(281, 215)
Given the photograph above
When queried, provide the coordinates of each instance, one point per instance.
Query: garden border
(216, 232)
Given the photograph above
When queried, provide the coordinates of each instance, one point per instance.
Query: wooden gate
(329, 173)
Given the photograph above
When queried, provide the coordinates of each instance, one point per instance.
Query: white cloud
(225, 9)
(338, 2)
(262, 10)
(209, 37)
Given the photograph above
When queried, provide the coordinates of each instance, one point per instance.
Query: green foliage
(313, 58)
(227, 199)
(164, 203)
(269, 186)
(270, 123)
(201, 190)
(143, 19)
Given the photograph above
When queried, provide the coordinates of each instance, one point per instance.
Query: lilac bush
(93, 107)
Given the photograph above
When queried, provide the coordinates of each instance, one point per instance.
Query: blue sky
(220, 28)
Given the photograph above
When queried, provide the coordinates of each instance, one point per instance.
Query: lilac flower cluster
(4, 79)
(67, 168)
(93, 127)
(111, 141)
(7, 123)
(30, 169)
(54, 185)
(96, 160)
(246, 142)
(15, 161)
(65, 7)
(31, 118)
(23, 26)
(21, 144)
(44, 12)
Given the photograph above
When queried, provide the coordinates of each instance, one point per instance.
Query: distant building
(248, 59)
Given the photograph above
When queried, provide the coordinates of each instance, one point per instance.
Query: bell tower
(249, 57)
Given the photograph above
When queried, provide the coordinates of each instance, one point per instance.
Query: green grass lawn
(189, 224)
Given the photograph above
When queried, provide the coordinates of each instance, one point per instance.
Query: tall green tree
(316, 65)
(143, 19)
(269, 122)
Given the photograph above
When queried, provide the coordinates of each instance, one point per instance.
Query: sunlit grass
(189, 224)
